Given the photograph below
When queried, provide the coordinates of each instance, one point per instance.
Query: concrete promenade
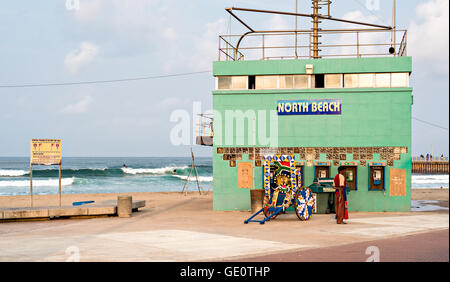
(173, 227)
(107, 208)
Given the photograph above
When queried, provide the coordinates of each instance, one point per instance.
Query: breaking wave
(162, 170)
(193, 178)
(12, 172)
(38, 182)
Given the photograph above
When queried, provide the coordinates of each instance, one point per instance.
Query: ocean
(106, 175)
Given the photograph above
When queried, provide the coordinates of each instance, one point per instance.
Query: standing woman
(339, 184)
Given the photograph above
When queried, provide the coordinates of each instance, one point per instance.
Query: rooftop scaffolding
(370, 41)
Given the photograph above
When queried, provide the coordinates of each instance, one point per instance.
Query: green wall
(370, 117)
(346, 65)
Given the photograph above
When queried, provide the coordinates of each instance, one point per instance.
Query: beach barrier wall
(433, 166)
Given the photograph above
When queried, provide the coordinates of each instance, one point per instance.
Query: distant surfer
(174, 171)
(124, 166)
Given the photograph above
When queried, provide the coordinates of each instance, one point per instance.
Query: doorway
(350, 173)
(376, 178)
(322, 172)
(300, 169)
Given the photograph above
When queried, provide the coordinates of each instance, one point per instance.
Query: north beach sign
(309, 107)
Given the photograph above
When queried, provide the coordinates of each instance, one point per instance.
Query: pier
(430, 166)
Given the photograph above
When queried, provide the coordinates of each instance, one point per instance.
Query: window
(224, 82)
(351, 81)
(400, 80)
(333, 81)
(294, 81)
(286, 82)
(240, 82)
(259, 82)
(232, 82)
(383, 80)
(251, 82)
(319, 81)
(301, 81)
(365, 80)
(267, 82)
(305, 81)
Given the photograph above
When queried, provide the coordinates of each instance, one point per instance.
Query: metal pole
(406, 43)
(228, 55)
(357, 44)
(59, 184)
(395, 25)
(315, 29)
(310, 45)
(296, 27)
(229, 10)
(219, 48)
(431, 153)
(31, 184)
(263, 55)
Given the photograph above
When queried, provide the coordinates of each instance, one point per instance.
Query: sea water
(104, 175)
(428, 181)
(107, 175)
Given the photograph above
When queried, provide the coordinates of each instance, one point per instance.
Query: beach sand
(441, 195)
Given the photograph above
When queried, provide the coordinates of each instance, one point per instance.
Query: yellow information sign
(398, 182)
(45, 151)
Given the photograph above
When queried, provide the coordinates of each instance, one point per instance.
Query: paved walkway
(183, 228)
(424, 247)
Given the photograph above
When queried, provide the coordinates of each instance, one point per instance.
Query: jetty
(430, 166)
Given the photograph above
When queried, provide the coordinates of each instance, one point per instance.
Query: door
(322, 172)
(351, 177)
(376, 178)
(300, 169)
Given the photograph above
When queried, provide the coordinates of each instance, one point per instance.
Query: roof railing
(268, 45)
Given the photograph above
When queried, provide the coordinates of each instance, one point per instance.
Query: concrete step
(65, 211)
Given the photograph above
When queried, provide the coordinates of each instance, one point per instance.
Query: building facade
(352, 112)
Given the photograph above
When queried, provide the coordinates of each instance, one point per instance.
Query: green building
(326, 112)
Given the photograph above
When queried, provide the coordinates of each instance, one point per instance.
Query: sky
(92, 40)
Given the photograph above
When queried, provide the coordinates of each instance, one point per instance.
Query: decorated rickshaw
(282, 190)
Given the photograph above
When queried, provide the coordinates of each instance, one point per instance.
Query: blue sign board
(309, 107)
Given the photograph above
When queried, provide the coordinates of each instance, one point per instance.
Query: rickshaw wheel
(304, 203)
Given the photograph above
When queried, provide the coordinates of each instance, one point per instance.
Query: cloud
(206, 44)
(428, 35)
(277, 22)
(79, 107)
(79, 58)
(364, 37)
(88, 10)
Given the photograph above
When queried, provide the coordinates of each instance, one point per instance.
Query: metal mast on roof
(316, 20)
(317, 5)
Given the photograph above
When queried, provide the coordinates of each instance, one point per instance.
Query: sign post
(45, 152)
(31, 183)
